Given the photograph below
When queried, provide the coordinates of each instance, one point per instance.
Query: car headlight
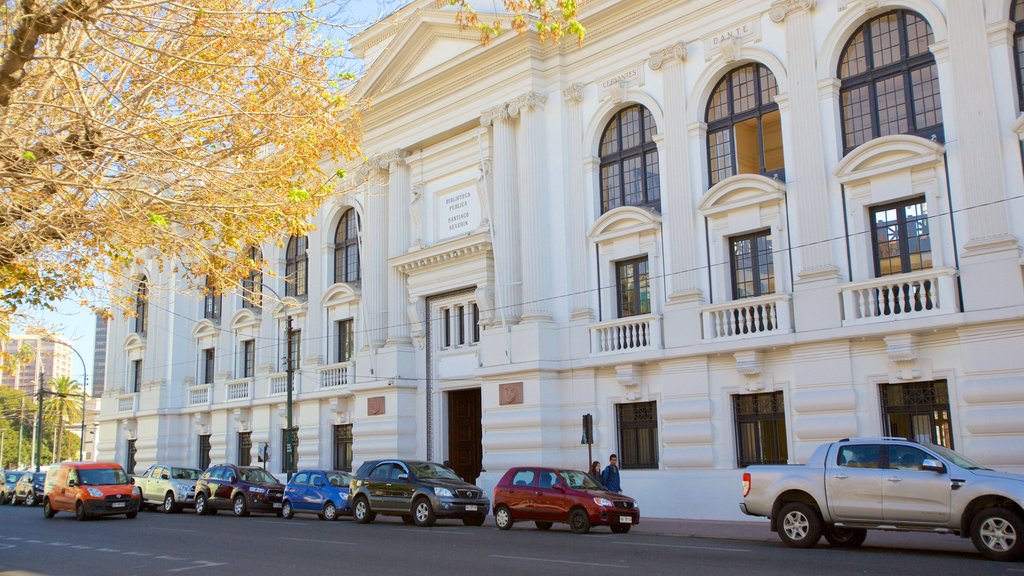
(94, 493)
(257, 490)
(136, 491)
(603, 502)
(443, 492)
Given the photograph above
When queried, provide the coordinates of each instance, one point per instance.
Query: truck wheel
(239, 507)
(621, 528)
(48, 511)
(170, 506)
(840, 537)
(202, 506)
(80, 513)
(131, 515)
(799, 525)
(423, 513)
(998, 534)
(361, 511)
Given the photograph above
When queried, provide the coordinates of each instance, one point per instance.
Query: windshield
(185, 473)
(102, 476)
(257, 475)
(579, 480)
(431, 470)
(12, 476)
(956, 458)
(338, 479)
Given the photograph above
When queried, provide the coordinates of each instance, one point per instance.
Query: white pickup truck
(169, 487)
(853, 485)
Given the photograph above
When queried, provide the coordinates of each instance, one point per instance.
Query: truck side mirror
(72, 483)
(933, 465)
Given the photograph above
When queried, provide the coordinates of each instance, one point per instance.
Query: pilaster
(398, 242)
(374, 242)
(530, 108)
(505, 227)
(575, 198)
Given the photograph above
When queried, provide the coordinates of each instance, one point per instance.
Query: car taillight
(746, 484)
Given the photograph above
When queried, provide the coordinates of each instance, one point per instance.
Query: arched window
(744, 126)
(211, 301)
(629, 161)
(1017, 15)
(346, 248)
(296, 267)
(252, 284)
(889, 80)
(141, 305)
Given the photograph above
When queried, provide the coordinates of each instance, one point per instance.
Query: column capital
(488, 116)
(530, 101)
(782, 8)
(669, 54)
(573, 93)
(389, 160)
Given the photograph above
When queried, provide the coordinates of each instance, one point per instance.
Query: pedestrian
(610, 476)
(595, 471)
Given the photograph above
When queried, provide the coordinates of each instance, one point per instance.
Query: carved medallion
(510, 393)
(375, 406)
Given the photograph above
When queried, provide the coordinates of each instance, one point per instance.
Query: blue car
(320, 492)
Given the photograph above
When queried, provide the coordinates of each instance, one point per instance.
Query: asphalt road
(155, 543)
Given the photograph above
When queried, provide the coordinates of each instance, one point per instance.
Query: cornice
(442, 254)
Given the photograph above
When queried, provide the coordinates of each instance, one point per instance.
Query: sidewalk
(758, 531)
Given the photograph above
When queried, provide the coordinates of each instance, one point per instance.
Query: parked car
(90, 489)
(29, 489)
(419, 492)
(549, 495)
(320, 492)
(169, 487)
(10, 479)
(241, 489)
(850, 486)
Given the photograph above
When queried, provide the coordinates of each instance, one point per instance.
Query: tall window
(346, 248)
(136, 375)
(209, 364)
(638, 435)
(252, 284)
(753, 273)
(248, 359)
(346, 340)
(289, 449)
(211, 301)
(889, 80)
(760, 429)
(900, 235)
(204, 451)
(343, 447)
(244, 448)
(296, 267)
(630, 175)
(129, 467)
(1017, 15)
(917, 411)
(141, 304)
(295, 348)
(744, 126)
(633, 285)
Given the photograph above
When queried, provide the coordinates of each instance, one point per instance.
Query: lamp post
(85, 382)
(289, 456)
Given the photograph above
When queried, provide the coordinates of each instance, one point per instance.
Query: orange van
(90, 489)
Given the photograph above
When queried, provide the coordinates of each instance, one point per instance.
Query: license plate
(277, 504)
(119, 504)
(471, 508)
(625, 520)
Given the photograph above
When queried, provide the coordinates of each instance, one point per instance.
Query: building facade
(48, 354)
(728, 230)
(99, 358)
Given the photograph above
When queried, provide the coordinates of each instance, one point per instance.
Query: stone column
(677, 197)
(398, 242)
(532, 197)
(576, 197)
(505, 226)
(374, 242)
(805, 157)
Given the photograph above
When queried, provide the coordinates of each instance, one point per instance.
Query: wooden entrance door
(465, 433)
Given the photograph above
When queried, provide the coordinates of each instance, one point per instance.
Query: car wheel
(474, 520)
(30, 500)
(330, 512)
(170, 506)
(406, 519)
(503, 518)
(239, 507)
(423, 513)
(579, 521)
(48, 511)
(80, 512)
(202, 506)
(286, 510)
(799, 525)
(361, 511)
(543, 526)
(131, 515)
(840, 537)
(620, 528)
(998, 534)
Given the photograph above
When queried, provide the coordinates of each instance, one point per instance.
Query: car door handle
(840, 476)
(894, 479)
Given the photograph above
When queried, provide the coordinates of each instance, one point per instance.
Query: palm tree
(63, 404)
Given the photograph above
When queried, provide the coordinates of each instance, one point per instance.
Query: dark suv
(242, 489)
(419, 492)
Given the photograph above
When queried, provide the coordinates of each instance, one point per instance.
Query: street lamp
(85, 382)
(289, 379)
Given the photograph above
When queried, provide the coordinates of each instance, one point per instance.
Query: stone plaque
(375, 406)
(726, 41)
(458, 212)
(510, 393)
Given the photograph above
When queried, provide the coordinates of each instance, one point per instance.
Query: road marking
(438, 531)
(80, 547)
(573, 562)
(14, 538)
(683, 546)
(60, 543)
(107, 550)
(34, 541)
(202, 564)
(173, 529)
(138, 553)
(7, 546)
(321, 541)
(170, 558)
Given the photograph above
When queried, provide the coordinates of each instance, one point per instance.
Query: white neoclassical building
(730, 230)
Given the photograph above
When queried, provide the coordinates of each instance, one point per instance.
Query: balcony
(746, 318)
(914, 295)
(279, 384)
(630, 334)
(199, 395)
(127, 403)
(236, 390)
(336, 375)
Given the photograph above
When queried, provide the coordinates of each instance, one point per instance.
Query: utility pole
(21, 429)
(288, 447)
(81, 443)
(38, 434)
(3, 441)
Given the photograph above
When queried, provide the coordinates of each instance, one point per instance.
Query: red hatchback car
(549, 495)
